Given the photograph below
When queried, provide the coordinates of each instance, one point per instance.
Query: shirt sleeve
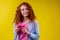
(15, 36)
(36, 35)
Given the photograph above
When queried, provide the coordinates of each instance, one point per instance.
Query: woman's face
(24, 10)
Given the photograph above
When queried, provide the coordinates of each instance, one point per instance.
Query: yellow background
(47, 13)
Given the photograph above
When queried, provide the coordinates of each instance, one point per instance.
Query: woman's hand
(17, 29)
(24, 30)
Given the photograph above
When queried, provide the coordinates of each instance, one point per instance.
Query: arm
(36, 35)
(15, 34)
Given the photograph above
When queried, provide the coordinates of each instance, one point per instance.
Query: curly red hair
(19, 18)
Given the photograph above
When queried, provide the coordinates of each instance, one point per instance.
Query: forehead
(23, 7)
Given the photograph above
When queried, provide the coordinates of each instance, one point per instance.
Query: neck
(25, 18)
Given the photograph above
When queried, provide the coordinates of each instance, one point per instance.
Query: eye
(26, 8)
(22, 9)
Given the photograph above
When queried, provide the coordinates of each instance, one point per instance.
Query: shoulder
(35, 21)
(14, 24)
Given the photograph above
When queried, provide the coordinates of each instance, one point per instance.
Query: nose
(25, 10)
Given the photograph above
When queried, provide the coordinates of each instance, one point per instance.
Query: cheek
(21, 12)
(27, 12)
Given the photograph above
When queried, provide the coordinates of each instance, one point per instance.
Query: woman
(25, 14)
